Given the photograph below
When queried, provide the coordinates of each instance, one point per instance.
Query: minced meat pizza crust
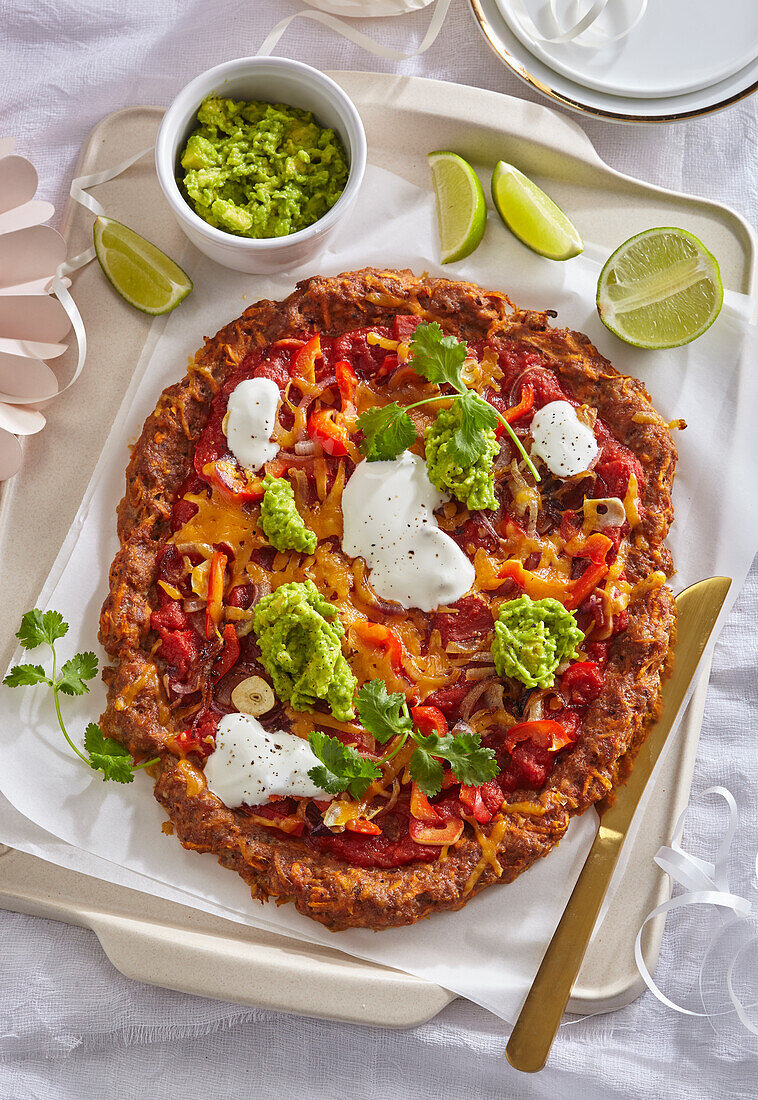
(165, 699)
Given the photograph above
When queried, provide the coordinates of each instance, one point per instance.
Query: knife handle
(540, 1017)
(529, 1045)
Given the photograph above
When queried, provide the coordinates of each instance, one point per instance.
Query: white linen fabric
(70, 1025)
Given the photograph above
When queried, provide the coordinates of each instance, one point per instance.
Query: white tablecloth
(70, 1025)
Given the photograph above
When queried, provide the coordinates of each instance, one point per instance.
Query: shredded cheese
(489, 845)
(376, 340)
(632, 503)
(169, 589)
(648, 584)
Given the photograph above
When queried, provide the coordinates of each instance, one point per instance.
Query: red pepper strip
(303, 361)
(471, 797)
(347, 382)
(570, 593)
(215, 600)
(595, 548)
(233, 484)
(428, 834)
(448, 779)
(546, 733)
(382, 636)
(421, 807)
(230, 653)
(429, 720)
(327, 428)
(389, 363)
(587, 583)
(517, 411)
(360, 825)
(539, 588)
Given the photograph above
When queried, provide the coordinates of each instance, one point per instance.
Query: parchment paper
(490, 950)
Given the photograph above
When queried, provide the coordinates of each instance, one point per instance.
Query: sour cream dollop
(388, 510)
(561, 440)
(250, 764)
(251, 414)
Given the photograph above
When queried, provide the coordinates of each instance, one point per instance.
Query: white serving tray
(169, 944)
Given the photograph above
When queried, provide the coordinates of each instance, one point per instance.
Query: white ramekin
(275, 80)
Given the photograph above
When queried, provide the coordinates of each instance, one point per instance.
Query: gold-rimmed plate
(590, 101)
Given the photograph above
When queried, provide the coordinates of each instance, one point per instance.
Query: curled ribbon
(705, 883)
(59, 285)
(357, 37)
(576, 31)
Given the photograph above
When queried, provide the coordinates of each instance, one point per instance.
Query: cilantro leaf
(26, 676)
(383, 714)
(343, 769)
(427, 772)
(471, 764)
(107, 756)
(38, 627)
(437, 357)
(388, 431)
(81, 667)
(468, 442)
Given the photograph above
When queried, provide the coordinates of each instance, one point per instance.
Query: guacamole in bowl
(261, 170)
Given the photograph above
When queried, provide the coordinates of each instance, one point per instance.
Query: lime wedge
(532, 216)
(660, 289)
(461, 209)
(142, 274)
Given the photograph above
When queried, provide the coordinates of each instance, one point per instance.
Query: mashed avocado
(282, 524)
(532, 638)
(472, 485)
(261, 169)
(301, 649)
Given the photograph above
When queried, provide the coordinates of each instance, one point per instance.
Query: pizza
(389, 607)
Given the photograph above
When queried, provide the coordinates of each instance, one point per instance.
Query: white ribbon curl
(357, 37)
(705, 883)
(575, 32)
(59, 285)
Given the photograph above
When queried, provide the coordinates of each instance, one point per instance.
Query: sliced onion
(193, 605)
(472, 698)
(458, 649)
(306, 447)
(484, 657)
(535, 707)
(394, 795)
(486, 523)
(515, 394)
(494, 697)
(306, 399)
(294, 459)
(477, 673)
(177, 688)
(461, 727)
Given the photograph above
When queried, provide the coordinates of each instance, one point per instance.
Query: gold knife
(529, 1045)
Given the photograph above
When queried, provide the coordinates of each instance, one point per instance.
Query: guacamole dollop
(301, 649)
(532, 638)
(282, 524)
(473, 485)
(261, 169)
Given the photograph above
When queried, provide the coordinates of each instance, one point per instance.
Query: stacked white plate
(654, 62)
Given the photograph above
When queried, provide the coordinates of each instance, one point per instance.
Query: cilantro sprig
(388, 431)
(103, 753)
(386, 715)
(341, 768)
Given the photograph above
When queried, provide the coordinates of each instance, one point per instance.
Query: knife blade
(698, 609)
